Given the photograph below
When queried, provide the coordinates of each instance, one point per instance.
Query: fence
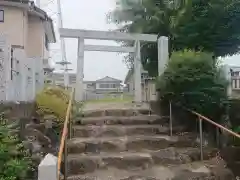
(200, 119)
(21, 77)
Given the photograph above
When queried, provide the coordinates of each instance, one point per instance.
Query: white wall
(14, 25)
(5, 69)
(35, 38)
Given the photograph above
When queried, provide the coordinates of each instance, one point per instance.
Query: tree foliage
(210, 25)
(15, 161)
(53, 101)
(194, 80)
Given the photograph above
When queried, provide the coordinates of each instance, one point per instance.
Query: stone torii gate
(81, 35)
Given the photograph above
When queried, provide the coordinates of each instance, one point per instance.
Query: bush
(15, 162)
(194, 80)
(58, 92)
(53, 101)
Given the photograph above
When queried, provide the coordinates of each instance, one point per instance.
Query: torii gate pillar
(79, 90)
(163, 54)
(137, 74)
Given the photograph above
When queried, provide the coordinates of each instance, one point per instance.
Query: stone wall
(36, 134)
(231, 156)
(18, 109)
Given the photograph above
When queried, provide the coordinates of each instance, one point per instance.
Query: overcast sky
(91, 15)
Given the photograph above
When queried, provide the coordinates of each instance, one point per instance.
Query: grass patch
(110, 99)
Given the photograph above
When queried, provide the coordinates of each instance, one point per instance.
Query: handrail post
(217, 137)
(70, 125)
(65, 160)
(201, 137)
(170, 119)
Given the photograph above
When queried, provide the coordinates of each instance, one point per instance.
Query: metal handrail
(200, 119)
(64, 133)
(216, 124)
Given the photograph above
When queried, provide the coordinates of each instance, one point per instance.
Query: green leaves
(237, 129)
(193, 80)
(210, 26)
(14, 159)
(53, 101)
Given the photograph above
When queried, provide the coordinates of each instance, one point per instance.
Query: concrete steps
(125, 111)
(212, 169)
(85, 163)
(123, 120)
(130, 144)
(126, 143)
(122, 130)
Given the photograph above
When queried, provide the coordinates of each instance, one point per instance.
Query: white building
(26, 32)
(235, 77)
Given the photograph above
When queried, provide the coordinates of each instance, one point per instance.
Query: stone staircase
(133, 145)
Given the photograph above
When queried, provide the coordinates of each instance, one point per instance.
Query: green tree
(194, 80)
(15, 162)
(210, 25)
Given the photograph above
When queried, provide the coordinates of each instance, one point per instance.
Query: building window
(48, 81)
(107, 86)
(89, 85)
(236, 73)
(103, 86)
(1, 15)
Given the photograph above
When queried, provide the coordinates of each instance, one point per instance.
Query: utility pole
(64, 61)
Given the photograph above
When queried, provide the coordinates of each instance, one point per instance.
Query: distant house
(147, 84)
(235, 71)
(129, 80)
(100, 86)
(89, 86)
(235, 78)
(108, 85)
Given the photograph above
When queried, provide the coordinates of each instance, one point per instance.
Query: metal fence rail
(200, 119)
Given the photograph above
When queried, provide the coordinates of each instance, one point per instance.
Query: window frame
(236, 73)
(3, 17)
(46, 42)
